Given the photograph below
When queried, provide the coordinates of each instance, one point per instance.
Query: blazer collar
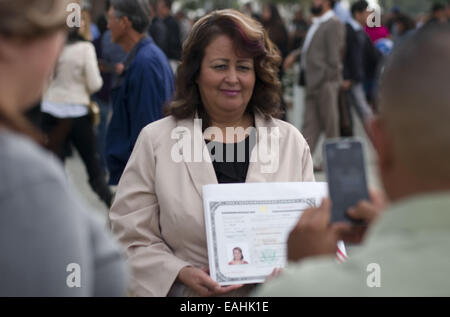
(267, 132)
(202, 171)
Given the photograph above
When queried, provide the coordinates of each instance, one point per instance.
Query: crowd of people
(343, 74)
(117, 90)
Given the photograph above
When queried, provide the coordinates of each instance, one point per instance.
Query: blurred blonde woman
(45, 234)
(65, 108)
(85, 28)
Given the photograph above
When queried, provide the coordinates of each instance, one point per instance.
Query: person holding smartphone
(404, 250)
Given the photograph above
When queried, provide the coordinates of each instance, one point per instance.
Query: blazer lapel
(201, 170)
(267, 134)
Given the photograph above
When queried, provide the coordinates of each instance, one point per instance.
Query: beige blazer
(158, 211)
(324, 57)
(76, 76)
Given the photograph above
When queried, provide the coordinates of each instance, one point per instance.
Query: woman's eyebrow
(219, 60)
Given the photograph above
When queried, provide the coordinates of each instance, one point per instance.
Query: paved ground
(78, 179)
(370, 157)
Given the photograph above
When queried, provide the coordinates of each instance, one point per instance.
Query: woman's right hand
(200, 281)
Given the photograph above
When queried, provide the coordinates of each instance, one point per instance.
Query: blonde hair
(29, 20)
(85, 30)
(32, 18)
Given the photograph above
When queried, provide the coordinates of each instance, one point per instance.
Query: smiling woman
(232, 37)
(228, 79)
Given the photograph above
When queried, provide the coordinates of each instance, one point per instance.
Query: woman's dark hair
(249, 37)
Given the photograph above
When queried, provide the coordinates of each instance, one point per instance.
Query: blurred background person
(342, 12)
(111, 58)
(88, 30)
(406, 27)
(66, 119)
(447, 11)
(359, 49)
(158, 30)
(228, 79)
(173, 46)
(391, 21)
(274, 25)
(144, 86)
(43, 228)
(248, 10)
(185, 25)
(321, 73)
(377, 32)
(437, 14)
(297, 30)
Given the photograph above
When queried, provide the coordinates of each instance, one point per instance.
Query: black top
(231, 161)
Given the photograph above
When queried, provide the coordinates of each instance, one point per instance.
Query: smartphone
(346, 173)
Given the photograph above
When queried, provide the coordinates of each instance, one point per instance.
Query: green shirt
(410, 245)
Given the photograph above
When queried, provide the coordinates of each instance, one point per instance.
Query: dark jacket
(354, 55)
(173, 38)
(109, 54)
(159, 34)
(147, 84)
(361, 57)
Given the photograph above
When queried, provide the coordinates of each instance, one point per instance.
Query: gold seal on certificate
(247, 226)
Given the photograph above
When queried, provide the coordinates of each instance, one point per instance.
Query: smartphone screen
(345, 168)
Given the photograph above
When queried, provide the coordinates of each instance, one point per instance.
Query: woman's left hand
(200, 281)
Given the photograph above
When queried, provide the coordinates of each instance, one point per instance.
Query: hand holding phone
(347, 183)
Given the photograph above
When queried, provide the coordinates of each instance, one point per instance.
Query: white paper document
(247, 226)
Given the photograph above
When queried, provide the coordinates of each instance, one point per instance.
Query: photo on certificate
(237, 254)
(247, 226)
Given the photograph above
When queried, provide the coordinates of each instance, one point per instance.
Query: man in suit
(321, 66)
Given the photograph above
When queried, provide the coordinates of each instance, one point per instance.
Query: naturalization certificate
(247, 226)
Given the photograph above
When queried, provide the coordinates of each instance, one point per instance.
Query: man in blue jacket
(145, 85)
